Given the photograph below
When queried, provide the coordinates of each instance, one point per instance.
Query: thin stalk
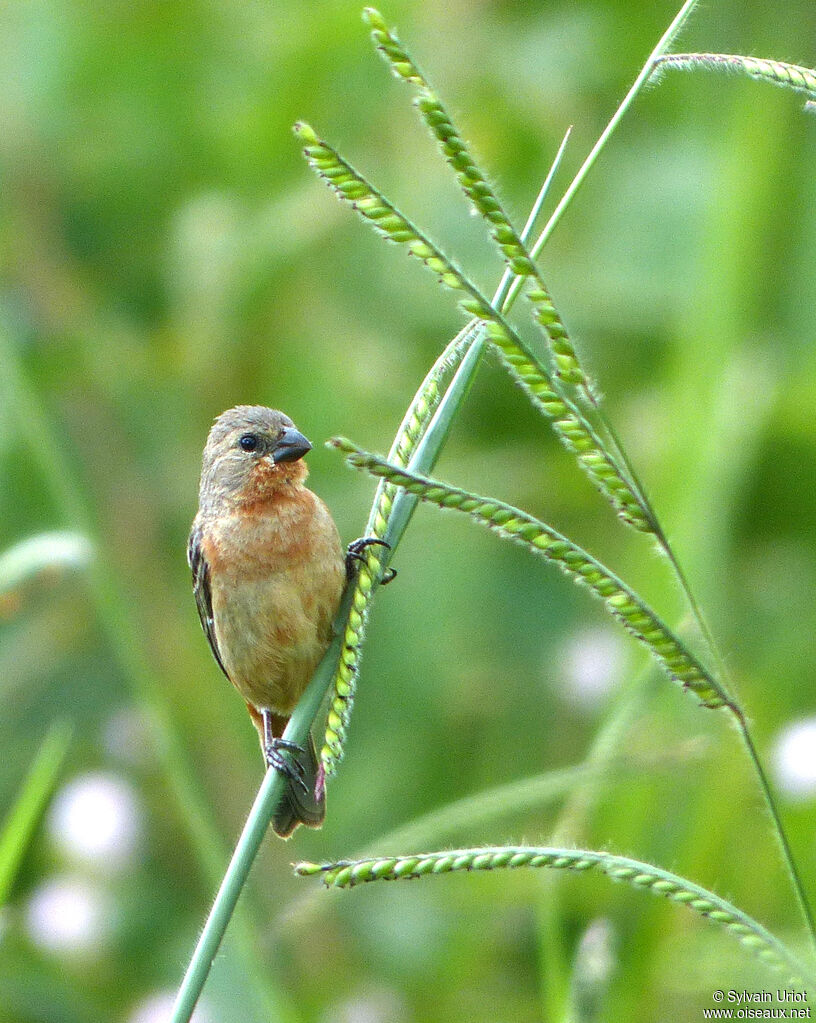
(787, 854)
(740, 721)
(667, 549)
(500, 298)
(645, 73)
(266, 802)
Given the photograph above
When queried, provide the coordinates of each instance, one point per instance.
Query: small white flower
(794, 758)
(96, 820)
(595, 958)
(68, 916)
(377, 1006)
(589, 665)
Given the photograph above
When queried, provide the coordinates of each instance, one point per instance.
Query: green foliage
(164, 257)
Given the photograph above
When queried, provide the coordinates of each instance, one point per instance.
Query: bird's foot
(290, 768)
(354, 554)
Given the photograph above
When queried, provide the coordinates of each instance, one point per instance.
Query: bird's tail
(303, 807)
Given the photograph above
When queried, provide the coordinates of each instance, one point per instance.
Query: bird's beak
(291, 446)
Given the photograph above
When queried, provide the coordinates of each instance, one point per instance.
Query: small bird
(268, 575)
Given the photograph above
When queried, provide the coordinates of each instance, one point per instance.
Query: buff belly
(271, 636)
(276, 587)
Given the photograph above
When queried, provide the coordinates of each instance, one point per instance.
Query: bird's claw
(354, 553)
(356, 547)
(289, 768)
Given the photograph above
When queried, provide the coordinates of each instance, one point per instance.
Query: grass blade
(42, 554)
(643, 76)
(30, 805)
(500, 298)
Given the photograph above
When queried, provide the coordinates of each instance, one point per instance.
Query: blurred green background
(166, 254)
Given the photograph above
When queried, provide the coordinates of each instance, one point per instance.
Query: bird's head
(251, 452)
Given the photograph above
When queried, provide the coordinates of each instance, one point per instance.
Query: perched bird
(268, 575)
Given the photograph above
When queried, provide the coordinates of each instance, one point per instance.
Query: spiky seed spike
(777, 72)
(511, 523)
(569, 422)
(643, 876)
(478, 191)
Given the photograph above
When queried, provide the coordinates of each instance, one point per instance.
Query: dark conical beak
(291, 446)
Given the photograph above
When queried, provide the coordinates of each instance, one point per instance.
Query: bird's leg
(274, 748)
(354, 554)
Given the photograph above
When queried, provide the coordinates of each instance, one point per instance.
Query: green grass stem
(257, 824)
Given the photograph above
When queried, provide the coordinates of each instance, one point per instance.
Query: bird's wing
(202, 592)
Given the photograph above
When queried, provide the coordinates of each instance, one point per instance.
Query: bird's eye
(249, 442)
